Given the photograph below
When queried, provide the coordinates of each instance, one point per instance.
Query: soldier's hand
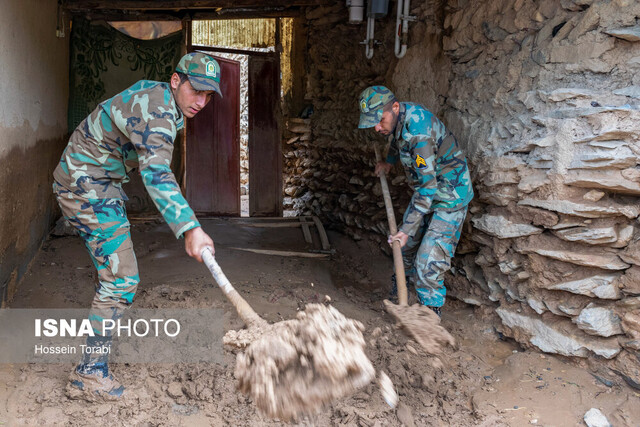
(400, 237)
(383, 166)
(195, 240)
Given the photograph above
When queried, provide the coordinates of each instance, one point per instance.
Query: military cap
(202, 70)
(372, 100)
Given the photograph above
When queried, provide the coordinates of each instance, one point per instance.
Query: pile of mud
(423, 325)
(298, 366)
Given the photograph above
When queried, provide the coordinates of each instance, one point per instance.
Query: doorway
(213, 149)
(215, 159)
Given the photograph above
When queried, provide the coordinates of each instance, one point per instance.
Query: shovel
(398, 264)
(420, 322)
(295, 366)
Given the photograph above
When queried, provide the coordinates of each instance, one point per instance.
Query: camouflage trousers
(427, 255)
(105, 229)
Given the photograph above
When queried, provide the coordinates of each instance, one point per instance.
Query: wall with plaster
(33, 114)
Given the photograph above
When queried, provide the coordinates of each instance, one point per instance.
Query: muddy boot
(91, 379)
(436, 310)
(93, 383)
(434, 299)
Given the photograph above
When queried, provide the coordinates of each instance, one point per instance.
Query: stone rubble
(595, 418)
(600, 321)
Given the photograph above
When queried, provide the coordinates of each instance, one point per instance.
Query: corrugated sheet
(248, 33)
(235, 33)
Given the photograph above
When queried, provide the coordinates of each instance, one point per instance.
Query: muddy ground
(487, 380)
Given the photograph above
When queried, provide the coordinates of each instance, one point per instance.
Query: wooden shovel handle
(401, 281)
(246, 313)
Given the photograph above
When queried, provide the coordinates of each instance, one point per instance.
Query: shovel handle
(246, 313)
(398, 264)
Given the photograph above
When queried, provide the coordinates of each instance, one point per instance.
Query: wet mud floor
(486, 380)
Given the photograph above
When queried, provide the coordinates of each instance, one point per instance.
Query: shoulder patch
(420, 161)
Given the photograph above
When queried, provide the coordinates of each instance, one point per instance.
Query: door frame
(212, 51)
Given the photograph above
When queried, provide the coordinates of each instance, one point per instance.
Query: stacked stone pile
(333, 180)
(329, 163)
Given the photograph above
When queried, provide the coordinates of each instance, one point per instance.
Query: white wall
(33, 122)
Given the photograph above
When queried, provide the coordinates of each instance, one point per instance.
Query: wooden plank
(323, 235)
(233, 51)
(283, 253)
(305, 231)
(266, 219)
(271, 224)
(200, 14)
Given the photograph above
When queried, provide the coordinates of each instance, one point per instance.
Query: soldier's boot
(94, 383)
(437, 310)
(430, 298)
(91, 379)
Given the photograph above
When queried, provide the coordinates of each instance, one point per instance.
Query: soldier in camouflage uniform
(134, 129)
(437, 171)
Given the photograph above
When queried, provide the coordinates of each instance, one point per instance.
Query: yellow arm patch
(420, 161)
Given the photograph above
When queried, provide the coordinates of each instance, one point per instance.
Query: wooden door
(265, 152)
(213, 149)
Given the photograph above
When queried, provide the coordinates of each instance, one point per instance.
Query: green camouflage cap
(203, 71)
(372, 99)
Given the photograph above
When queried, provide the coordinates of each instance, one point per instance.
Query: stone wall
(542, 95)
(328, 161)
(33, 129)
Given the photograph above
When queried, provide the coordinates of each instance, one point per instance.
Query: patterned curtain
(105, 61)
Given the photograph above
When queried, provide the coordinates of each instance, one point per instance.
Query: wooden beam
(283, 253)
(258, 219)
(115, 15)
(214, 49)
(139, 5)
(305, 231)
(323, 235)
(271, 224)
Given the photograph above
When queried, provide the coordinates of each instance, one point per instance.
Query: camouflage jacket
(435, 166)
(135, 128)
